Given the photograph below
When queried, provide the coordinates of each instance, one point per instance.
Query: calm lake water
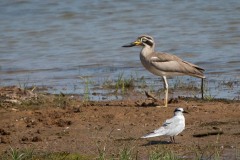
(55, 43)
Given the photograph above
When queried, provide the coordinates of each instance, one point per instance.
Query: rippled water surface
(58, 43)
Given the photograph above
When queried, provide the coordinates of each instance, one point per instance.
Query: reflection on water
(53, 43)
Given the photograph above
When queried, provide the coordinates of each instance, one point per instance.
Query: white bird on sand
(171, 127)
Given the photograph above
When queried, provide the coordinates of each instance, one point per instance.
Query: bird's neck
(178, 114)
(146, 50)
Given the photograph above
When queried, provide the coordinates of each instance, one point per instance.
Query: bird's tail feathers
(153, 134)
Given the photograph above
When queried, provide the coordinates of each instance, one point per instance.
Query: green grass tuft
(163, 153)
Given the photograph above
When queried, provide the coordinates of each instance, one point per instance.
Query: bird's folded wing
(165, 57)
(170, 63)
(197, 67)
(168, 124)
(158, 132)
(166, 62)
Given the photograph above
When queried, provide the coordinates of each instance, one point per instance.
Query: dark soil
(64, 123)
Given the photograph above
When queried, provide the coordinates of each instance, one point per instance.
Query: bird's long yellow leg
(166, 92)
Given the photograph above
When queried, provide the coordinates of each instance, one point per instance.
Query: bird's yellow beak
(136, 43)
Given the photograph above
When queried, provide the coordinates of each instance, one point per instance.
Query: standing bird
(164, 64)
(171, 127)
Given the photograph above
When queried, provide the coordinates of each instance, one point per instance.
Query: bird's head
(143, 40)
(179, 110)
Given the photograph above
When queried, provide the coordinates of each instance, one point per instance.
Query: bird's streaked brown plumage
(164, 64)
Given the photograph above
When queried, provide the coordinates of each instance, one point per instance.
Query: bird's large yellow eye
(143, 40)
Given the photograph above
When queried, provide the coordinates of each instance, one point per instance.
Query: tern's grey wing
(158, 132)
(171, 123)
(171, 63)
(164, 129)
